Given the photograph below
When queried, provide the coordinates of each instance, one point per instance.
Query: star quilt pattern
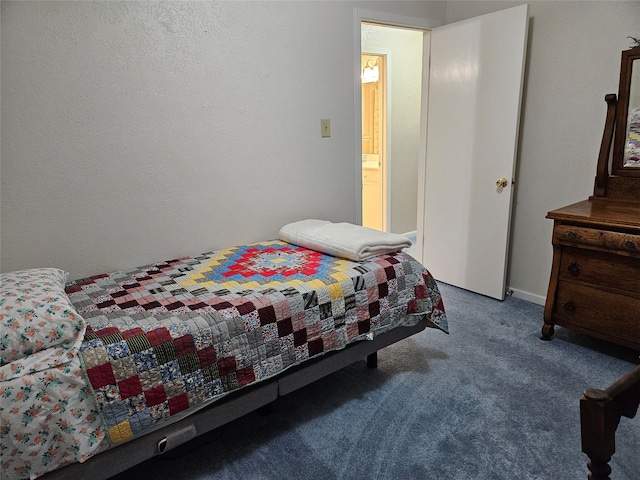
(177, 334)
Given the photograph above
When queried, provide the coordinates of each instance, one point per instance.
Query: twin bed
(102, 373)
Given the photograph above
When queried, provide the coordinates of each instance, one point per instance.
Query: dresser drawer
(599, 268)
(592, 237)
(611, 316)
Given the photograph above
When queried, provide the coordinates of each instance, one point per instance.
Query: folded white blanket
(342, 239)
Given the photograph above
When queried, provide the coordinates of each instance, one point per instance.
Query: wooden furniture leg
(600, 413)
(550, 304)
(598, 428)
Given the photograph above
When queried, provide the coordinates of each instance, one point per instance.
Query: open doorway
(391, 109)
(502, 37)
(374, 120)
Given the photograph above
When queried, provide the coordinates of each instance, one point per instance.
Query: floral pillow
(36, 314)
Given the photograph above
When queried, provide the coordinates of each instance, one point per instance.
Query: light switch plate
(325, 127)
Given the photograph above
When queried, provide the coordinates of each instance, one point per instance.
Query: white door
(474, 93)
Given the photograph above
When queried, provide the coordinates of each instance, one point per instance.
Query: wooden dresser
(595, 275)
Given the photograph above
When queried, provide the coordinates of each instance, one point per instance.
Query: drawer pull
(569, 306)
(630, 245)
(574, 269)
(572, 235)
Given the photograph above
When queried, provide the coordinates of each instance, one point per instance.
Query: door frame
(392, 20)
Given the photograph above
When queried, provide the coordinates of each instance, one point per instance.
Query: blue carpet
(488, 401)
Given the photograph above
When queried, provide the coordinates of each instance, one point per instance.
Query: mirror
(632, 144)
(626, 153)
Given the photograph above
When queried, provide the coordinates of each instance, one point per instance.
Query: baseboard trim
(528, 296)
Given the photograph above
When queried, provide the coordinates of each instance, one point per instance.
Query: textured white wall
(573, 61)
(404, 48)
(138, 131)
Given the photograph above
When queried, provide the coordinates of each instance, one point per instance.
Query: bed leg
(372, 360)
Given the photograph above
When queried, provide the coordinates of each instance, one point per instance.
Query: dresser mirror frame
(630, 60)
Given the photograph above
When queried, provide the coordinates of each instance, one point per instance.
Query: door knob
(502, 182)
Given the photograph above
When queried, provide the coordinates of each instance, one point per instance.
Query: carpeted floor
(488, 401)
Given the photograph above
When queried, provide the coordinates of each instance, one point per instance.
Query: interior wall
(404, 47)
(135, 131)
(140, 131)
(573, 61)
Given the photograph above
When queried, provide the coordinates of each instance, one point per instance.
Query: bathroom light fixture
(370, 73)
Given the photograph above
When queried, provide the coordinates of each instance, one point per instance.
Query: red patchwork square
(285, 327)
(315, 347)
(101, 375)
(300, 337)
(107, 331)
(391, 272)
(184, 345)
(207, 356)
(226, 365)
(175, 305)
(245, 308)
(267, 315)
(152, 305)
(155, 395)
(106, 304)
(197, 306)
(134, 332)
(412, 306)
(245, 376)
(364, 326)
(222, 305)
(178, 404)
(130, 387)
(420, 291)
(158, 336)
(128, 304)
(374, 309)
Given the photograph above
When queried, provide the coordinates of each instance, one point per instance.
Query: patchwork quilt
(173, 335)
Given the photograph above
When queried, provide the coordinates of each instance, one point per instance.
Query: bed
(600, 414)
(101, 373)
